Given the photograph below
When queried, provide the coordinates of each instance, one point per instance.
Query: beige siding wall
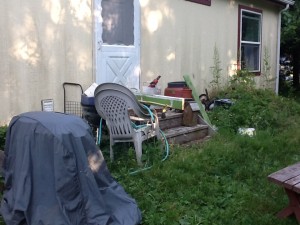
(43, 44)
(48, 42)
(178, 37)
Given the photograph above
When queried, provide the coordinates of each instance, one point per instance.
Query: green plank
(196, 98)
(161, 100)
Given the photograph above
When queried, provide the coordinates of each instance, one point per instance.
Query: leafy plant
(286, 89)
(216, 70)
(256, 108)
(243, 79)
(290, 41)
(266, 70)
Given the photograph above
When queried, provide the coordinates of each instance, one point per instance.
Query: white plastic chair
(113, 102)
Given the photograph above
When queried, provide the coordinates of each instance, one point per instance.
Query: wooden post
(190, 114)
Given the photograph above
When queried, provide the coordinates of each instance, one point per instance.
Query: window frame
(203, 2)
(240, 41)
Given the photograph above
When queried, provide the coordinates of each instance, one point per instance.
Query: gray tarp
(56, 175)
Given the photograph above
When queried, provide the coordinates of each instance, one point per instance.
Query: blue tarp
(55, 174)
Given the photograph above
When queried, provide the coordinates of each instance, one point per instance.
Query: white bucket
(151, 91)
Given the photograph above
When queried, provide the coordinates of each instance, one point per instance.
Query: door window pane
(118, 18)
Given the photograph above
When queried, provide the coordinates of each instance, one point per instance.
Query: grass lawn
(224, 180)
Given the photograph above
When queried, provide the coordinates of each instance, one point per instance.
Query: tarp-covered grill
(55, 174)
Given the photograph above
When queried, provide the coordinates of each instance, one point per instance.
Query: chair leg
(111, 151)
(138, 152)
(158, 134)
(137, 141)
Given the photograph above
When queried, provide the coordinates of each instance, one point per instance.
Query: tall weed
(256, 108)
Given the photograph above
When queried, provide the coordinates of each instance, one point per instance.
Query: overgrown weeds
(216, 71)
(255, 108)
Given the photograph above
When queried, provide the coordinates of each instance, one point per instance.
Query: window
(204, 2)
(118, 17)
(250, 39)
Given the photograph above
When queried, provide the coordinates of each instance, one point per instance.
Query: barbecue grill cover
(56, 175)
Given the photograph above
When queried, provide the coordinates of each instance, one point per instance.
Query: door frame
(97, 40)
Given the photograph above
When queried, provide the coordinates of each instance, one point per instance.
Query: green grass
(222, 181)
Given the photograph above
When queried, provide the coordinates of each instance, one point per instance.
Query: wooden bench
(289, 179)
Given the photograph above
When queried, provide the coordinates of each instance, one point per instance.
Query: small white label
(48, 105)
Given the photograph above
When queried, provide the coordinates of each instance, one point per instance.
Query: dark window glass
(250, 40)
(250, 27)
(118, 19)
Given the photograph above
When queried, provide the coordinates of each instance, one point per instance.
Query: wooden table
(289, 179)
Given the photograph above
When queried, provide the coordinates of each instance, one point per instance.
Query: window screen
(250, 43)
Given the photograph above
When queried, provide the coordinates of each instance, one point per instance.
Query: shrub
(243, 79)
(256, 108)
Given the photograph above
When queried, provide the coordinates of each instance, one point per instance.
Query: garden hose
(99, 133)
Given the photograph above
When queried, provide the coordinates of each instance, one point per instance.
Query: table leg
(293, 207)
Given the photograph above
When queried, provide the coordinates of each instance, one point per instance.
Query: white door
(117, 40)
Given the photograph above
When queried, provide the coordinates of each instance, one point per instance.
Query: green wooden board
(196, 98)
(161, 100)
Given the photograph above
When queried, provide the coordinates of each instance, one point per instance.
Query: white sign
(48, 105)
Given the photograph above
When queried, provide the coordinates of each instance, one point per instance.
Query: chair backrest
(112, 102)
(138, 108)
